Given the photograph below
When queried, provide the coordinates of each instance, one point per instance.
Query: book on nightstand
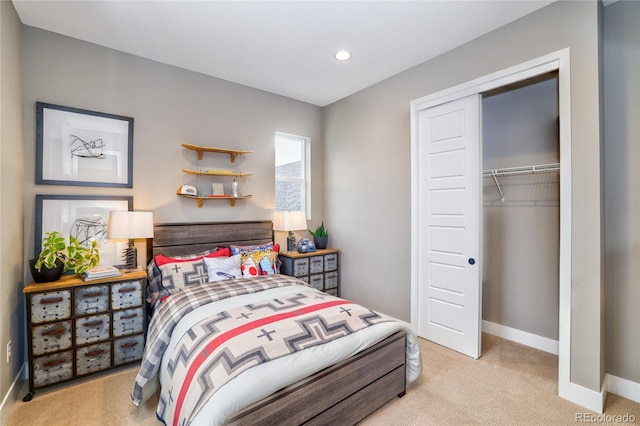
(102, 271)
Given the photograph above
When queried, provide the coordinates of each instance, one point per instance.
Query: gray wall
(367, 174)
(11, 208)
(622, 194)
(169, 106)
(520, 266)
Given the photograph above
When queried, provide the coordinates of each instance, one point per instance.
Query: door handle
(472, 261)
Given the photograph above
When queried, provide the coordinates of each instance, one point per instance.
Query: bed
(331, 361)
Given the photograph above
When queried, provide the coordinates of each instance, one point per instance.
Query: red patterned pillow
(162, 259)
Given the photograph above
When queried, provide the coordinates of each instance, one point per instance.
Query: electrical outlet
(9, 352)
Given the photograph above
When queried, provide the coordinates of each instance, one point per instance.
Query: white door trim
(560, 61)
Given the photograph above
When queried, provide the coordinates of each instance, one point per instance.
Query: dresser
(76, 328)
(319, 268)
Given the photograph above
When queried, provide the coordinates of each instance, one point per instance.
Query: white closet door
(449, 224)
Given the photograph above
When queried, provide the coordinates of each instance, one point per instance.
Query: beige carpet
(510, 384)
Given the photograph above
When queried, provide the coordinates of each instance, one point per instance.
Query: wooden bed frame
(344, 393)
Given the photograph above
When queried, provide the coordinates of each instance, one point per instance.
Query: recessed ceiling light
(342, 55)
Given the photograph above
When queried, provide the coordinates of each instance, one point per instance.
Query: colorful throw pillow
(257, 260)
(223, 268)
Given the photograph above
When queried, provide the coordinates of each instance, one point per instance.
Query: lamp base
(130, 256)
(291, 242)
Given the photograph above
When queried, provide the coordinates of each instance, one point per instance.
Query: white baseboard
(623, 387)
(525, 338)
(11, 396)
(588, 398)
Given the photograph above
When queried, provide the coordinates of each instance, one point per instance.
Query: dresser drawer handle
(54, 362)
(93, 323)
(135, 314)
(127, 290)
(129, 344)
(94, 353)
(54, 332)
(92, 294)
(50, 301)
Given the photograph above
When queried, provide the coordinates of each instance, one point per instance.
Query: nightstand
(319, 268)
(76, 328)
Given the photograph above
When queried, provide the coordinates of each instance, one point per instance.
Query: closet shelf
(521, 170)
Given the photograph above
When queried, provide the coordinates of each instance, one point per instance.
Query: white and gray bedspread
(249, 338)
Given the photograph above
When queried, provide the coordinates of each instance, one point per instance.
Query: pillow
(257, 260)
(223, 268)
(162, 259)
(155, 286)
(179, 275)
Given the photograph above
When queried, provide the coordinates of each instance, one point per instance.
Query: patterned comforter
(227, 334)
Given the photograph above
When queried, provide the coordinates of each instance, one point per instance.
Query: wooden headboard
(175, 239)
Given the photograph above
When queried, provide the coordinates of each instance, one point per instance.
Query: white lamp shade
(130, 225)
(289, 221)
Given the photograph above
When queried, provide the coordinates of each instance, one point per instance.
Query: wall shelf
(202, 149)
(215, 173)
(201, 198)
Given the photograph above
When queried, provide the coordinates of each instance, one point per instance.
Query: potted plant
(56, 257)
(320, 236)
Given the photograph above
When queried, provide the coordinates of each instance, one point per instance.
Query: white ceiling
(283, 47)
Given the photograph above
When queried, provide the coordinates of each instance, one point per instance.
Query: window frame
(306, 179)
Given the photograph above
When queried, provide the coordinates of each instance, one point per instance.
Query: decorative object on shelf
(83, 148)
(290, 221)
(306, 246)
(217, 188)
(320, 236)
(130, 225)
(56, 257)
(188, 190)
(234, 188)
(84, 217)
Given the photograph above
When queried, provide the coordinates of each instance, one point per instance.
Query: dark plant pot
(46, 275)
(321, 242)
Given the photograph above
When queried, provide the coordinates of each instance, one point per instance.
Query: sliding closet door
(449, 287)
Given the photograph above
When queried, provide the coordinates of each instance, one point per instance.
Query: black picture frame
(79, 147)
(84, 216)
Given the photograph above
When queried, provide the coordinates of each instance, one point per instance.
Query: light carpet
(510, 384)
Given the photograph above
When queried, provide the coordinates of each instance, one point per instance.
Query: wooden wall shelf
(215, 173)
(202, 149)
(201, 199)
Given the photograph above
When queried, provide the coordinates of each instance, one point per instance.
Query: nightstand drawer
(300, 267)
(128, 349)
(316, 264)
(93, 358)
(52, 306)
(51, 337)
(52, 369)
(126, 295)
(331, 279)
(130, 321)
(317, 281)
(92, 329)
(91, 300)
(331, 262)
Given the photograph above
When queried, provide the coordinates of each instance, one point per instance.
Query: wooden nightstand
(77, 327)
(319, 268)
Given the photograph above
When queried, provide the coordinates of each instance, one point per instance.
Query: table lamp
(130, 226)
(290, 221)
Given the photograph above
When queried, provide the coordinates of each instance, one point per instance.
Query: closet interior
(521, 208)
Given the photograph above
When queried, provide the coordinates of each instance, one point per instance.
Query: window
(292, 173)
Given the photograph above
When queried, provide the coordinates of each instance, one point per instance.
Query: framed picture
(83, 148)
(83, 216)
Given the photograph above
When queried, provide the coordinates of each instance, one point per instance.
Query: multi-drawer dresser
(78, 327)
(318, 268)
